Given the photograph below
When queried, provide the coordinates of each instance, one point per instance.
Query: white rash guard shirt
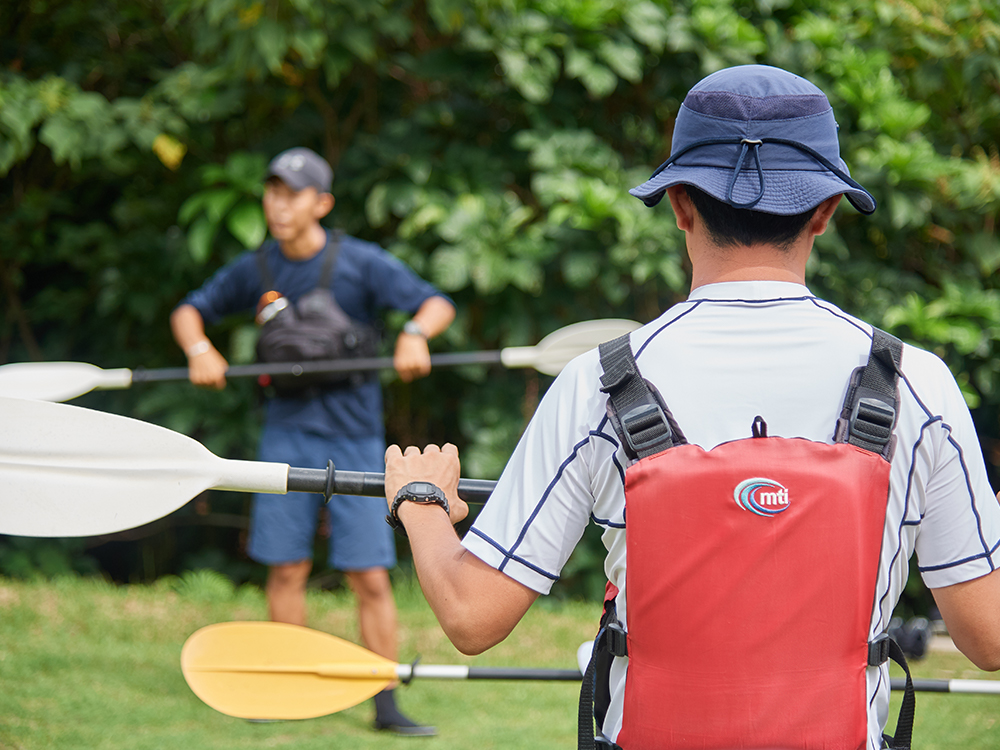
(733, 351)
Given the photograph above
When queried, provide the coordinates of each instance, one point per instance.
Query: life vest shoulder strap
(871, 407)
(636, 410)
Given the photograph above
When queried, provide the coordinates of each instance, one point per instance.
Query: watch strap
(415, 492)
(413, 328)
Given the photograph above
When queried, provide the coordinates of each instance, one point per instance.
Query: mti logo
(765, 497)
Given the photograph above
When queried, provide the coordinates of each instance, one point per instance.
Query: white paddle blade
(556, 350)
(58, 381)
(68, 471)
(583, 655)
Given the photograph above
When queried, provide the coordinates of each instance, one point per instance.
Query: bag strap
(881, 649)
(870, 409)
(266, 278)
(641, 419)
(330, 252)
(610, 641)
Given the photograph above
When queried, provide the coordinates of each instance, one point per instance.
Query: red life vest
(751, 573)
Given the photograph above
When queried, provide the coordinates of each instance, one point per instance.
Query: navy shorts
(283, 527)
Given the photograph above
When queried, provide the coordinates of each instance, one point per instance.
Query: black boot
(389, 718)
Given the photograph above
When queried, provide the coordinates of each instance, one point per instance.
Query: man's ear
(683, 207)
(324, 205)
(824, 212)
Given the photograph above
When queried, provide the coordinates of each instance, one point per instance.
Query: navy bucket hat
(759, 138)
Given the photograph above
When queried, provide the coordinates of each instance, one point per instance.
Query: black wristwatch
(415, 492)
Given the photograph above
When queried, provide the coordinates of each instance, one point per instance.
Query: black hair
(729, 227)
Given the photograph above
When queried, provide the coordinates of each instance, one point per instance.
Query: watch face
(422, 488)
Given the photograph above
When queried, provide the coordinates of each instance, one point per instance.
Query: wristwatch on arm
(413, 328)
(424, 493)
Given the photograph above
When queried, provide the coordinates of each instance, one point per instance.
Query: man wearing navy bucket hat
(762, 464)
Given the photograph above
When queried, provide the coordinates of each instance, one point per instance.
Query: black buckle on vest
(616, 638)
(878, 650)
(644, 417)
(872, 420)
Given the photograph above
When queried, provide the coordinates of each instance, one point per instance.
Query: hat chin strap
(747, 143)
(755, 144)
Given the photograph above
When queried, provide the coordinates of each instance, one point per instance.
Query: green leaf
(271, 43)
(360, 42)
(377, 205)
(247, 224)
(191, 207)
(648, 23)
(200, 237)
(218, 201)
(310, 44)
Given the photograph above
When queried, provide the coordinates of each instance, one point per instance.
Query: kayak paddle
(68, 471)
(269, 670)
(61, 381)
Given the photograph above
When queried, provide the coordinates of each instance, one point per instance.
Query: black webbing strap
(266, 279)
(330, 252)
(585, 716)
(879, 650)
(869, 412)
(332, 249)
(640, 418)
(594, 697)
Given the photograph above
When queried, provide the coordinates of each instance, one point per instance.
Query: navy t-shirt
(366, 279)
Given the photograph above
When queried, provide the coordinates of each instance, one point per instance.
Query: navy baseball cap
(759, 138)
(300, 168)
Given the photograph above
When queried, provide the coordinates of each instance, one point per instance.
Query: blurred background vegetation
(490, 145)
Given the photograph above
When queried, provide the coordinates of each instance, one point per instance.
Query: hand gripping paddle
(61, 381)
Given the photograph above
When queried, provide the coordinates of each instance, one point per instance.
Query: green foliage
(231, 196)
(489, 144)
(21, 557)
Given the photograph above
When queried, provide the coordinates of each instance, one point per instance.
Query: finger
(393, 452)
(450, 448)
(431, 448)
(411, 450)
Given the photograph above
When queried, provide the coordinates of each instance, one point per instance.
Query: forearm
(412, 358)
(434, 316)
(971, 612)
(476, 605)
(187, 326)
(206, 365)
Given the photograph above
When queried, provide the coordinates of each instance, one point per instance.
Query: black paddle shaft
(332, 481)
(368, 364)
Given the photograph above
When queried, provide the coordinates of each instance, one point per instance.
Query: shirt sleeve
(394, 284)
(232, 289)
(543, 500)
(958, 531)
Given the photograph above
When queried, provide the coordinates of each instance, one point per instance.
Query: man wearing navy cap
(339, 421)
(762, 464)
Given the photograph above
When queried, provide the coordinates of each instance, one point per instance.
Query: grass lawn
(86, 665)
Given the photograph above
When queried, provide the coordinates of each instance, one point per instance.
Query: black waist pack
(314, 328)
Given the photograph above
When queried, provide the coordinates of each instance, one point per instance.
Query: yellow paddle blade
(270, 670)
